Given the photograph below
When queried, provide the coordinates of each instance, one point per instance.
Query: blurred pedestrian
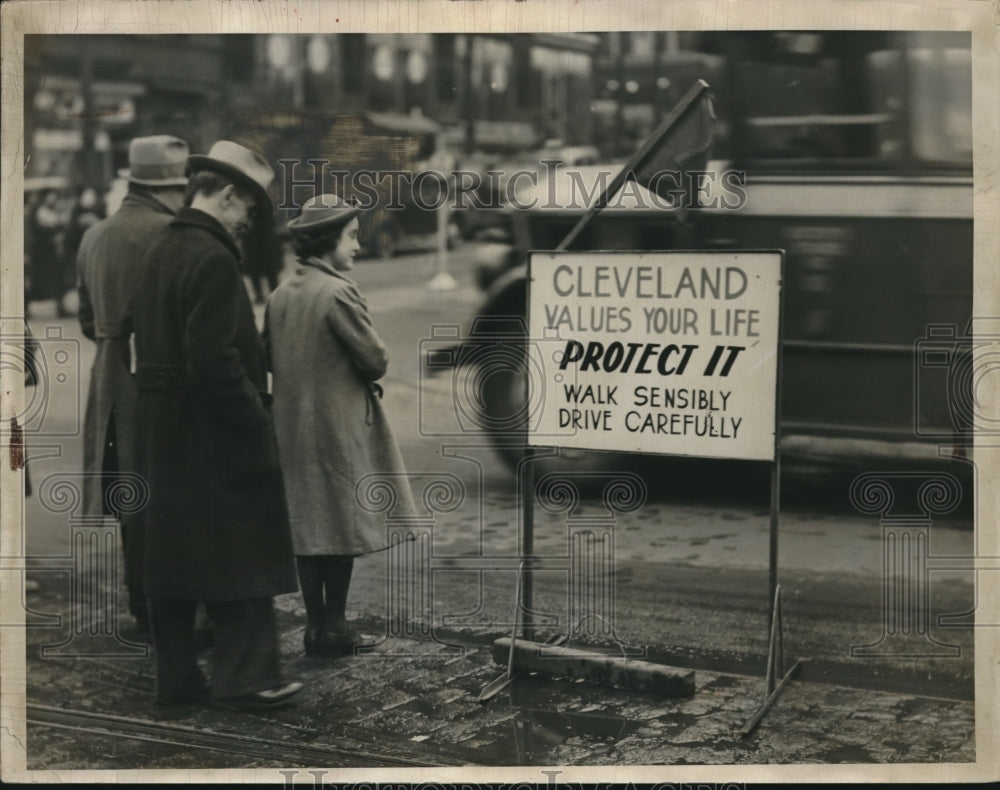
(326, 358)
(216, 526)
(31, 376)
(86, 212)
(51, 278)
(117, 190)
(107, 267)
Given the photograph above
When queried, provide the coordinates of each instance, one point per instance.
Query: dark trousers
(246, 656)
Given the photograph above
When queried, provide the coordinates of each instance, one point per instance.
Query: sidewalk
(413, 702)
(690, 587)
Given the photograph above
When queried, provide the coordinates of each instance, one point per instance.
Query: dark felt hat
(321, 212)
(157, 161)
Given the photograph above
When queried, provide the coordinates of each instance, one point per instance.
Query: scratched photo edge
(210, 16)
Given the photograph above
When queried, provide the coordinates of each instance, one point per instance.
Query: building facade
(87, 96)
(487, 92)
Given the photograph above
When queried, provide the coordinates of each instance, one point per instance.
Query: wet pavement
(412, 702)
(880, 684)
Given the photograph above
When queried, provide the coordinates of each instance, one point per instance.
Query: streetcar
(855, 154)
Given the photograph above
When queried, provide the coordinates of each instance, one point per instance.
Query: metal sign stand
(528, 523)
(494, 687)
(686, 105)
(775, 650)
(527, 471)
(775, 667)
(775, 660)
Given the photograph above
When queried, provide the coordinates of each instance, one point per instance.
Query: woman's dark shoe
(345, 640)
(331, 644)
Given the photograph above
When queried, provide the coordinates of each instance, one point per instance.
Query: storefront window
(352, 57)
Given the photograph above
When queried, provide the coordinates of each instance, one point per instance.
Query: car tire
(502, 397)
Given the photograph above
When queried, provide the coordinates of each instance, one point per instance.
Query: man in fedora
(216, 525)
(107, 263)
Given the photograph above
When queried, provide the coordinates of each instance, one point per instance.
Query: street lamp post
(468, 99)
(88, 119)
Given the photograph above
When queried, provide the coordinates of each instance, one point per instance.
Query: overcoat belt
(107, 264)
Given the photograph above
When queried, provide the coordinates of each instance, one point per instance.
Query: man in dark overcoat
(216, 526)
(107, 263)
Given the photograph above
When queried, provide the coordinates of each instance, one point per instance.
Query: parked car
(355, 156)
(481, 213)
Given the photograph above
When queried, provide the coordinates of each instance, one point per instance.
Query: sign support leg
(772, 574)
(528, 539)
(775, 666)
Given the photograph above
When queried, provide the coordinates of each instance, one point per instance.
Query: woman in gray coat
(325, 358)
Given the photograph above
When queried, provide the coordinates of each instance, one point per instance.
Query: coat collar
(199, 219)
(324, 266)
(135, 199)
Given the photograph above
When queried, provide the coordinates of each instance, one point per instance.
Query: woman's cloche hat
(321, 212)
(244, 166)
(157, 161)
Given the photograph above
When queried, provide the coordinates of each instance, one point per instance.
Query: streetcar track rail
(348, 753)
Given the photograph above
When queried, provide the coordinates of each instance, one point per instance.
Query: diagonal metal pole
(528, 547)
(639, 158)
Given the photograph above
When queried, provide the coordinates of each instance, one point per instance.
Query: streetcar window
(811, 111)
(809, 100)
(942, 104)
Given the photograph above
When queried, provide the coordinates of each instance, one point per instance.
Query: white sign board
(672, 353)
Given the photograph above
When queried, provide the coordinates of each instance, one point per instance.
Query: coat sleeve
(212, 298)
(348, 319)
(85, 312)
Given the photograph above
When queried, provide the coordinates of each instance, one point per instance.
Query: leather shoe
(268, 699)
(344, 642)
(323, 643)
(331, 644)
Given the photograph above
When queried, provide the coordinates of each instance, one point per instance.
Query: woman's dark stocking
(337, 580)
(311, 582)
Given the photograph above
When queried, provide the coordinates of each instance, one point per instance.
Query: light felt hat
(246, 168)
(157, 161)
(323, 211)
